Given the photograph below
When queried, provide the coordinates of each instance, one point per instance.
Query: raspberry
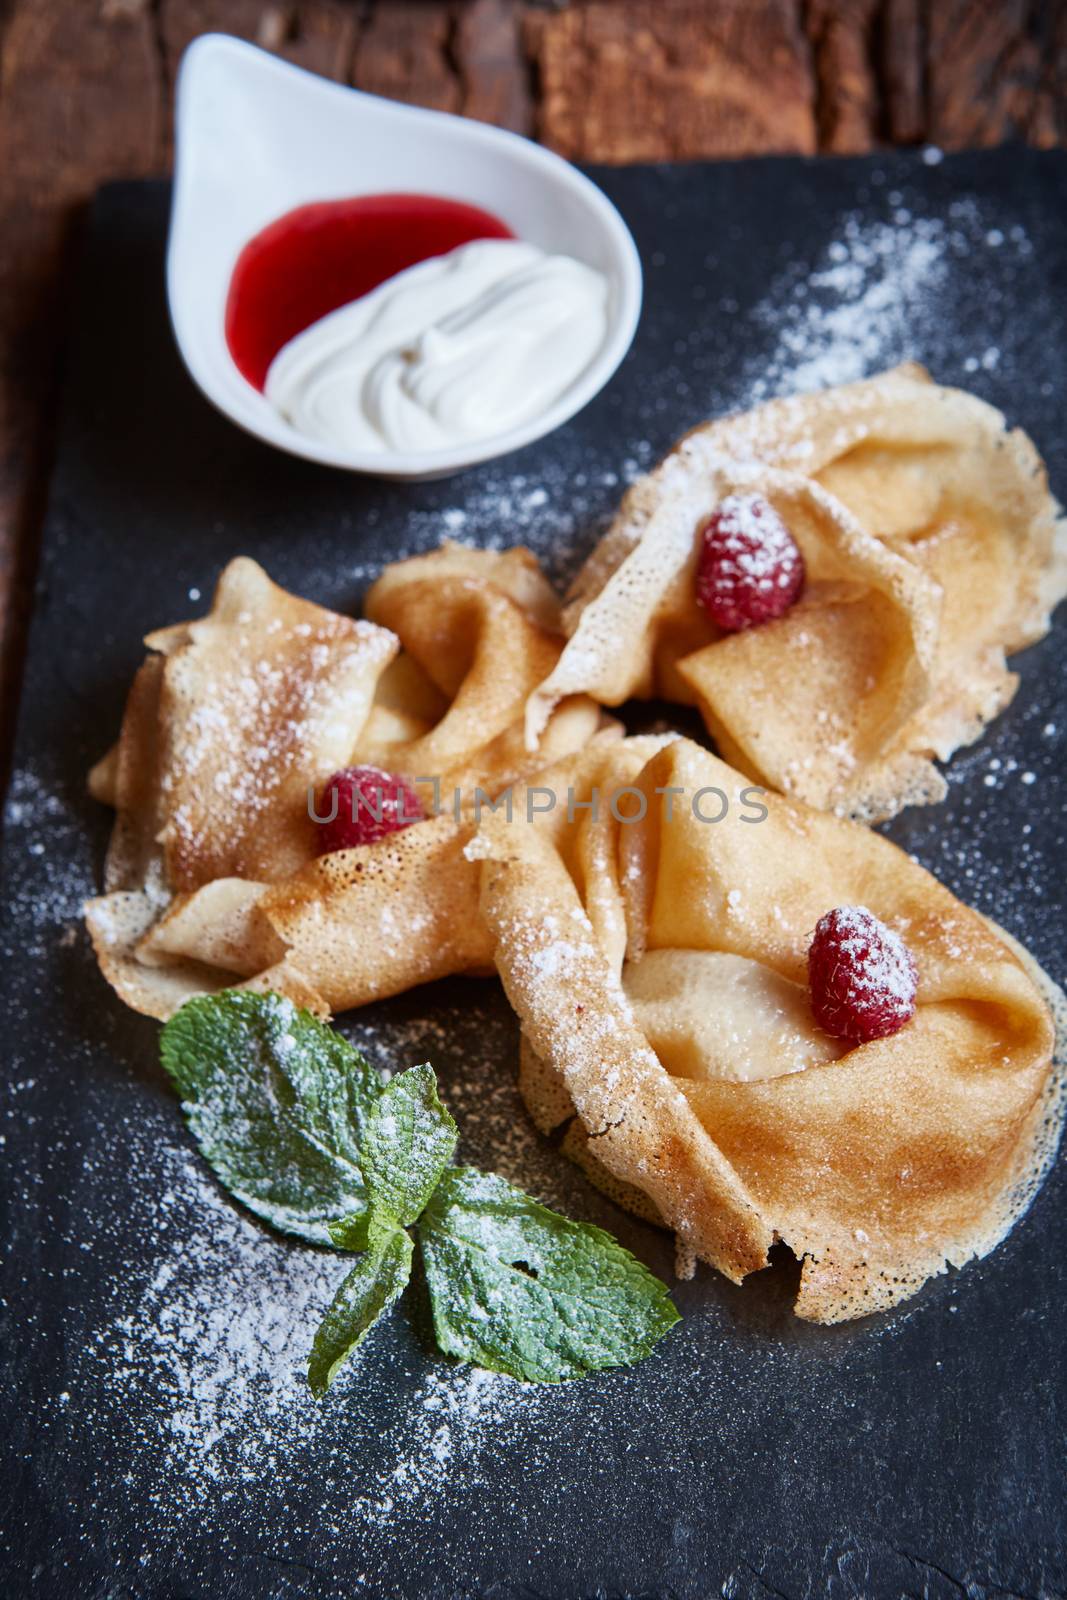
(862, 976)
(370, 804)
(750, 569)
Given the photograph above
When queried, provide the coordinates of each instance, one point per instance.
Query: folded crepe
(931, 546)
(658, 967)
(213, 876)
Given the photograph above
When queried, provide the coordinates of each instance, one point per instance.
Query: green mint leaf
(408, 1142)
(519, 1289)
(278, 1104)
(361, 1230)
(376, 1280)
(351, 1232)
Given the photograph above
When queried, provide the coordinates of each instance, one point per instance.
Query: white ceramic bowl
(256, 137)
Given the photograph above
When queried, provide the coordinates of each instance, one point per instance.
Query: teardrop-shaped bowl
(256, 137)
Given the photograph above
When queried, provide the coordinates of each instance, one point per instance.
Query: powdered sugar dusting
(877, 297)
(195, 1369)
(556, 512)
(210, 1351)
(44, 886)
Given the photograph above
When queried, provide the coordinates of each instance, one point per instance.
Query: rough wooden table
(85, 96)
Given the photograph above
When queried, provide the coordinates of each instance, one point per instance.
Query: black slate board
(159, 1445)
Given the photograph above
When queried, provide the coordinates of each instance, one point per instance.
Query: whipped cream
(458, 348)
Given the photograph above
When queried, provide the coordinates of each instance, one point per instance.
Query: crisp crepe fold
(481, 628)
(745, 1124)
(258, 700)
(932, 549)
(213, 877)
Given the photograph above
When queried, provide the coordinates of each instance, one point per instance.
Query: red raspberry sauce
(321, 256)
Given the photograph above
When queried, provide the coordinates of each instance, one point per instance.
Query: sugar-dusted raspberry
(370, 804)
(750, 568)
(862, 976)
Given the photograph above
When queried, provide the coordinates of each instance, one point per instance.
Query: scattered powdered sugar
(194, 1371)
(1001, 848)
(450, 1418)
(558, 513)
(877, 282)
(875, 299)
(46, 883)
(218, 1333)
(205, 1361)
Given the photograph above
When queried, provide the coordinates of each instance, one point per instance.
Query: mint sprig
(519, 1289)
(278, 1104)
(375, 1282)
(297, 1126)
(409, 1141)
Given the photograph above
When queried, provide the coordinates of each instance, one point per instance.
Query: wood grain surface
(86, 85)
